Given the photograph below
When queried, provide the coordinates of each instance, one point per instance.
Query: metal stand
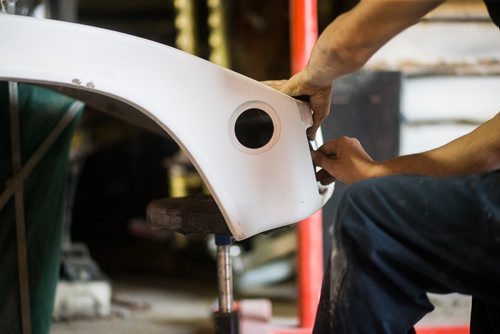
(226, 319)
(200, 214)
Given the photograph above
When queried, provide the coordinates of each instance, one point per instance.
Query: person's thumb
(319, 158)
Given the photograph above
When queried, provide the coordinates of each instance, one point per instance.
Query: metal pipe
(22, 255)
(304, 32)
(225, 278)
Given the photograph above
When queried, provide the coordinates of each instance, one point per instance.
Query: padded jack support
(200, 215)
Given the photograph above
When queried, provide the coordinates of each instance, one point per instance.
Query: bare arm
(475, 152)
(347, 44)
(349, 41)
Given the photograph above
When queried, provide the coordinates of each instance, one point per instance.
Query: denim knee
(358, 213)
(356, 199)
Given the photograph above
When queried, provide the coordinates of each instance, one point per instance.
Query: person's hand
(344, 159)
(319, 97)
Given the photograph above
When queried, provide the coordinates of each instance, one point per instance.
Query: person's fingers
(330, 148)
(320, 105)
(319, 158)
(276, 84)
(321, 102)
(328, 165)
(323, 177)
(292, 86)
(311, 132)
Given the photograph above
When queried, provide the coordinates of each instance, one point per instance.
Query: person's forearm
(349, 41)
(476, 152)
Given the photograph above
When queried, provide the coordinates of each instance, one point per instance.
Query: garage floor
(162, 305)
(159, 305)
(150, 305)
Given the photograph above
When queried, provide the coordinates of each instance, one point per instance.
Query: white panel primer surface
(193, 100)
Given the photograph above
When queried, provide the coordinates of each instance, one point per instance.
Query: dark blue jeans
(397, 238)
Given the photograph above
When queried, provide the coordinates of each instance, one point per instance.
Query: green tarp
(40, 110)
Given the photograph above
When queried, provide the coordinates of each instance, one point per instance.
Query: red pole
(310, 267)
(304, 32)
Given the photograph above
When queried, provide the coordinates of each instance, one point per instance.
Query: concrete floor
(161, 305)
(450, 311)
(150, 305)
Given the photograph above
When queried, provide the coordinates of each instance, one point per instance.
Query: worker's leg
(485, 317)
(396, 238)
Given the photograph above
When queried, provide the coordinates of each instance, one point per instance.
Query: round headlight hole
(254, 128)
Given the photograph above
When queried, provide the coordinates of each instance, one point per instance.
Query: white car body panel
(194, 101)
